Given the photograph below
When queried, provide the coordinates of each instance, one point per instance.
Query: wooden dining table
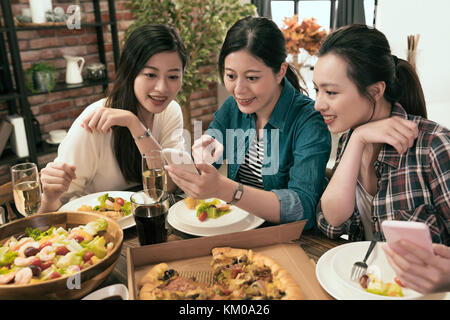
(313, 242)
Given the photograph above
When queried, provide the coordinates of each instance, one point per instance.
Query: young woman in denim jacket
(275, 143)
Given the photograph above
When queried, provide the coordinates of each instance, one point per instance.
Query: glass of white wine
(26, 188)
(154, 176)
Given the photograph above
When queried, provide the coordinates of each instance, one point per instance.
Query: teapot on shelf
(73, 69)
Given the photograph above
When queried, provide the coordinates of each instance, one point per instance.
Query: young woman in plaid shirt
(392, 163)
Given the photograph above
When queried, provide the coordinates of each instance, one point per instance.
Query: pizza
(164, 283)
(237, 274)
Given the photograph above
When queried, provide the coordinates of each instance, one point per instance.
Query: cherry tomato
(203, 216)
(397, 280)
(54, 275)
(61, 251)
(36, 262)
(48, 243)
(45, 265)
(120, 201)
(87, 256)
(78, 238)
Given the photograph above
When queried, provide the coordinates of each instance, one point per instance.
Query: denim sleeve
(307, 174)
(290, 206)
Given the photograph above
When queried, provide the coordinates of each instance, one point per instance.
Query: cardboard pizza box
(195, 255)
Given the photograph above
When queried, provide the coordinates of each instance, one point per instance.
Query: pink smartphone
(415, 232)
(180, 159)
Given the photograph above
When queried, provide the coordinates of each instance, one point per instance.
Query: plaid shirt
(412, 186)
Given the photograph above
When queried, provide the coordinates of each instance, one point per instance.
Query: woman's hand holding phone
(431, 274)
(179, 159)
(198, 181)
(206, 150)
(418, 263)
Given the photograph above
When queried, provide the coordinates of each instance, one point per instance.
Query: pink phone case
(415, 232)
(180, 159)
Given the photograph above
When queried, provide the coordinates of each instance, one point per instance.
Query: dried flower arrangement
(308, 35)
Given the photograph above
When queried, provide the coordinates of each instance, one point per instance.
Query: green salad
(212, 209)
(37, 256)
(112, 207)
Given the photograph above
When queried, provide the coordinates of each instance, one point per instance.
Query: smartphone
(415, 232)
(180, 159)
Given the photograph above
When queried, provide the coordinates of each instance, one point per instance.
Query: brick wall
(58, 110)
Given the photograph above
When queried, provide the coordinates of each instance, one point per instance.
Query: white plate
(49, 141)
(115, 290)
(92, 200)
(185, 220)
(349, 253)
(328, 278)
(332, 273)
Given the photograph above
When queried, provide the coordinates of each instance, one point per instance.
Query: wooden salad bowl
(68, 287)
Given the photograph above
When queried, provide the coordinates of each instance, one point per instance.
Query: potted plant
(40, 77)
(202, 26)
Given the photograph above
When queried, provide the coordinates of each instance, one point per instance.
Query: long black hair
(140, 46)
(263, 39)
(368, 55)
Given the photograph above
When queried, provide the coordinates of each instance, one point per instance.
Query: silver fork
(359, 268)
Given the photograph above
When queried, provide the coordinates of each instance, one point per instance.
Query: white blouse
(93, 154)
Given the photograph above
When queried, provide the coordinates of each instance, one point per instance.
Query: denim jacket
(297, 146)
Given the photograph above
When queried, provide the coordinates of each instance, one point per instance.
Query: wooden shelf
(8, 96)
(61, 86)
(21, 93)
(10, 158)
(61, 26)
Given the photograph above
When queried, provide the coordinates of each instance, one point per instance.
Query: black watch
(237, 194)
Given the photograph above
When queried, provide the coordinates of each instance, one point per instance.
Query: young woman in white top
(102, 150)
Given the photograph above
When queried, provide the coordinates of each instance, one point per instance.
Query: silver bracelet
(146, 134)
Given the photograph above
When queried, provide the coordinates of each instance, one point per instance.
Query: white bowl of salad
(63, 255)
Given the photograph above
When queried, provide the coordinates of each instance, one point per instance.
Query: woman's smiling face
(159, 81)
(337, 97)
(253, 85)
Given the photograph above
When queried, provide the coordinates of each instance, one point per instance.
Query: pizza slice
(250, 275)
(164, 283)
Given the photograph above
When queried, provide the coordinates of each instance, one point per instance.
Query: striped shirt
(412, 186)
(250, 171)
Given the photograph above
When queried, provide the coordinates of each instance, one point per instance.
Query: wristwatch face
(237, 195)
